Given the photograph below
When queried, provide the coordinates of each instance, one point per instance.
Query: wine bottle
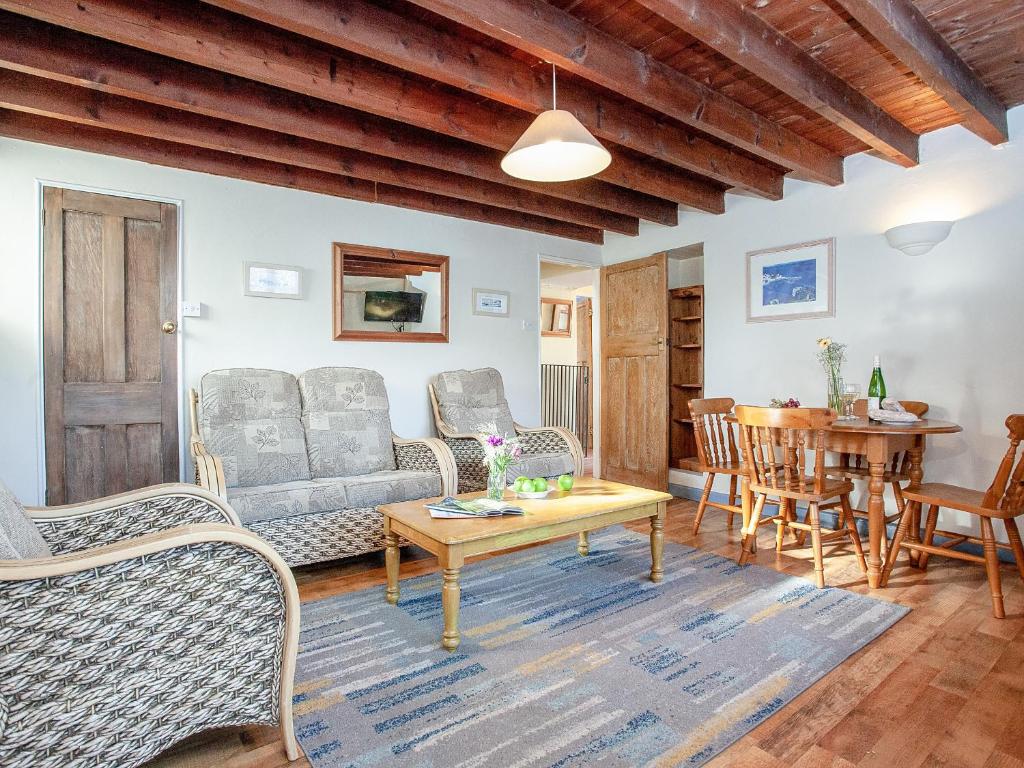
(876, 389)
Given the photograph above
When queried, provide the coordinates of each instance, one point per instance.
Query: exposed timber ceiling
(413, 102)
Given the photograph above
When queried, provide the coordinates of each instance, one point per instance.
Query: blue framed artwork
(791, 282)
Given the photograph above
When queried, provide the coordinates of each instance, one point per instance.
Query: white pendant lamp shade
(556, 147)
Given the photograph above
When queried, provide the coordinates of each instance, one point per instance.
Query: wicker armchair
(158, 616)
(478, 398)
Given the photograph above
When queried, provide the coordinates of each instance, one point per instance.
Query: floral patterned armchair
(463, 401)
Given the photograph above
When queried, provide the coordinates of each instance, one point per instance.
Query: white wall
(946, 324)
(226, 222)
(685, 272)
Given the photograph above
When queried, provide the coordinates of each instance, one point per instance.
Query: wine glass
(849, 395)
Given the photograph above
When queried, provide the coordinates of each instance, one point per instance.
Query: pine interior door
(110, 344)
(634, 372)
(585, 356)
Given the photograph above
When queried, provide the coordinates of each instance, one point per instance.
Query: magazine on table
(451, 507)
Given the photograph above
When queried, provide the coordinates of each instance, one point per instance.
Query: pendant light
(556, 147)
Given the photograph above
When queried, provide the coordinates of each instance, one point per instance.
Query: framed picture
(490, 303)
(791, 282)
(271, 281)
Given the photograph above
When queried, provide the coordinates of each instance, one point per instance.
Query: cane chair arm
(148, 640)
(552, 439)
(127, 516)
(428, 454)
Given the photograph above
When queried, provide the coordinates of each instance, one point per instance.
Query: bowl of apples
(530, 488)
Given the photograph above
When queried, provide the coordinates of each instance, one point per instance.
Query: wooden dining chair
(716, 453)
(775, 443)
(1004, 500)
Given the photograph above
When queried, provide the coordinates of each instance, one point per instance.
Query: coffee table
(590, 505)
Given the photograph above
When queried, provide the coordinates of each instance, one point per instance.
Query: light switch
(529, 325)
(191, 309)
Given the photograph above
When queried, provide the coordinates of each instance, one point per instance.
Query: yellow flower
(825, 343)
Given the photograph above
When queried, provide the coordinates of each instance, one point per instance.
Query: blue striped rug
(569, 661)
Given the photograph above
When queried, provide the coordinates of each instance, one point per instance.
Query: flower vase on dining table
(832, 355)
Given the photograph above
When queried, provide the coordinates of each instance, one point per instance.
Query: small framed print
(490, 303)
(791, 282)
(271, 281)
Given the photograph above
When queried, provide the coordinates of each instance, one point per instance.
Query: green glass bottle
(876, 389)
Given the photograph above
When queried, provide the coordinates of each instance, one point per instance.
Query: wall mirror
(555, 317)
(381, 294)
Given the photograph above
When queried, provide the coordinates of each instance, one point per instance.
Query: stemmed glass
(849, 395)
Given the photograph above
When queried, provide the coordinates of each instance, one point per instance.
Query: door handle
(170, 327)
(661, 344)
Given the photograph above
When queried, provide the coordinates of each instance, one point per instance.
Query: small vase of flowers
(832, 355)
(500, 452)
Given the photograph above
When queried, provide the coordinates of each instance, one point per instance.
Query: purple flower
(495, 441)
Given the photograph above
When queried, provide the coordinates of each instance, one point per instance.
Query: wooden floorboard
(943, 687)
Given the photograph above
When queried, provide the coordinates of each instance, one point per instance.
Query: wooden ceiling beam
(27, 93)
(369, 30)
(212, 38)
(550, 33)
(66, 56)
(209, 37)
(907, 33)
(44, 130)
(759, 48)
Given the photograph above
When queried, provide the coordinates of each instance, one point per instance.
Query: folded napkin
(892, 412)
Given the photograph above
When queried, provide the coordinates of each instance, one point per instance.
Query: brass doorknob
(169, 327)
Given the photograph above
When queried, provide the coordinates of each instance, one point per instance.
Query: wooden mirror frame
(555, 304)
(341, 250)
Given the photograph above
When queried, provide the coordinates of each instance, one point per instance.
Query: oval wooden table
(878, 442)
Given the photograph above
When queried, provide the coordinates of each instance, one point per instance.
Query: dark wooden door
(634, 372)
(110, 344)
(585, 356)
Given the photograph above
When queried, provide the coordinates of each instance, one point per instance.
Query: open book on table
(451, 507)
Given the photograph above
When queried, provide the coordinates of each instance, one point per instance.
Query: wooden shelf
(686, 369)
(688, 463)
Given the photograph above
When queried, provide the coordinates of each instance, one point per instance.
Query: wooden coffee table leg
(657, 542)
(584, 545)
(391, 560)
(451, 564)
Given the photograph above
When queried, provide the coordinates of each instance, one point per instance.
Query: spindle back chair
(775, 444)
(1003, 500)
(717, 453)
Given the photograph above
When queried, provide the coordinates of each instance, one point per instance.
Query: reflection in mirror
(555, 317)
(385, 295)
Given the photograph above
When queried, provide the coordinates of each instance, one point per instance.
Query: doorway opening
(567, 350)
(686, 353)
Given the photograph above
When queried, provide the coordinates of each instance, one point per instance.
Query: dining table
(877, 442)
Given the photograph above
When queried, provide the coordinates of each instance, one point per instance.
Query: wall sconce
(919, 238)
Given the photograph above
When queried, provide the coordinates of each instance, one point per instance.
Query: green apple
(522, 483)
(539, 485)
(565, 482)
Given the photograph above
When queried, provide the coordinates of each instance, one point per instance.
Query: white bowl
(531, 494)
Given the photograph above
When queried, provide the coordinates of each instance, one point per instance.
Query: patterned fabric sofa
(306, 461)
(463, 401)
(133, 621)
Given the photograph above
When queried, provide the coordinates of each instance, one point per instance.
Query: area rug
(569, 660)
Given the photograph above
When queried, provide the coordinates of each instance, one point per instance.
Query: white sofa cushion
(347, 423)
(283, 500)
(19, 537)
(250, 419)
